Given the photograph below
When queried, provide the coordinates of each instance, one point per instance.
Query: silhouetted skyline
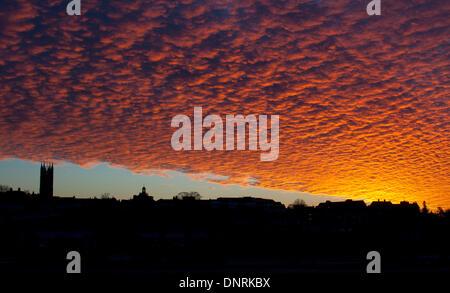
(72, 180)
(188, 234)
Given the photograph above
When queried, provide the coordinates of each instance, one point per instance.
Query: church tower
(46, 182)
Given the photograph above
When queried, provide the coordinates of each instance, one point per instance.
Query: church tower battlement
(46, 182)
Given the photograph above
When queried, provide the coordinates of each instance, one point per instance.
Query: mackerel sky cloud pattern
(363, 100)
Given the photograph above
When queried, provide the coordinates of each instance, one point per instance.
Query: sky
(96, 180)
(363, 100)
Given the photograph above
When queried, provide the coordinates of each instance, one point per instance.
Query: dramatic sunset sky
(363, 100)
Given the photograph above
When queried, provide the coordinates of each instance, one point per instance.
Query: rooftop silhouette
(191, 233)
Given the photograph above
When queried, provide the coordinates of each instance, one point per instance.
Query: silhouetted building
(343, 205)
(46, 182)
(227, 234)
(387, 205)
(143, 195)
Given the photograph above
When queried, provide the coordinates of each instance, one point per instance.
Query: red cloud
(363, 101)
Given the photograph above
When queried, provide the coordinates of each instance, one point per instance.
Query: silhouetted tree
(298, 203)
(192, 195)
(4, 188)
(443, 213)
(425, 209)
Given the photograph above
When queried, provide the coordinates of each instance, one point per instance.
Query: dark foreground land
(223, 236)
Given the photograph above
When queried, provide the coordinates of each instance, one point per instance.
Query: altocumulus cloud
(363, 101)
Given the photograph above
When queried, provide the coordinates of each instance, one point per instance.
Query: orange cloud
(363, 101)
